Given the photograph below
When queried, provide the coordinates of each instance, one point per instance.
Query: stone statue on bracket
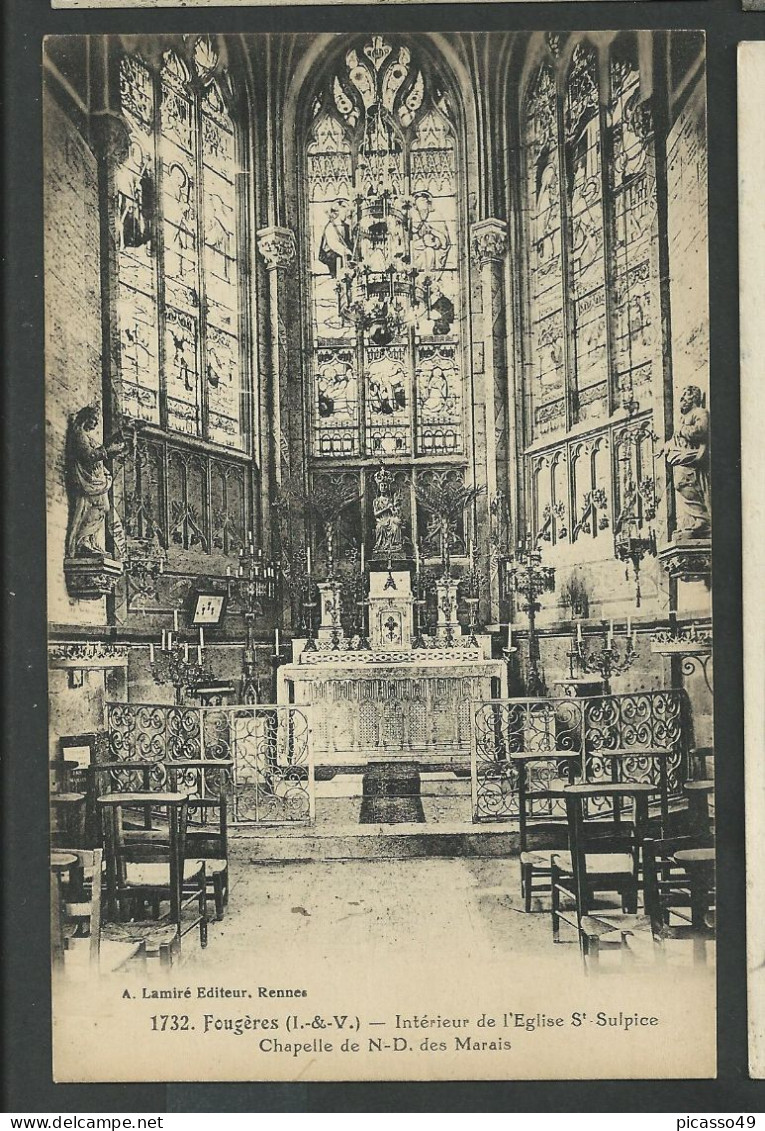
(389, 533)
(687, 453)
(91, 571)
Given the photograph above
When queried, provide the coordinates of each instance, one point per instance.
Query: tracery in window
(178, 249)
(383, 230)
(584, 188)
(546, 348)
(634, 216)
(592, 294)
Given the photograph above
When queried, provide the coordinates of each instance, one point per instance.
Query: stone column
(281, 399)
(489, 244)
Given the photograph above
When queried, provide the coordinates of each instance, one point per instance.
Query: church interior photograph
(378, 499)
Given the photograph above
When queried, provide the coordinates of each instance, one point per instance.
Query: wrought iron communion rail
(260, 754)
(588, 731)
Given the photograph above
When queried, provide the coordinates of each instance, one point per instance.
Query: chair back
(142, 846)
(588, 836)
(542, 821)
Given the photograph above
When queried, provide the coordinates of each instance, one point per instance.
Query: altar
(397, 694)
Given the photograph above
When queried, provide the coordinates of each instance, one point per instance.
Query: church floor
(466, 908)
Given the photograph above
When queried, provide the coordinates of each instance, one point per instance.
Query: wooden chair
(80, 944)
(542, 822)
(207, 839)
(207, 832)
(143, 871)
(603, 861)
(67, 806)
(679, 899)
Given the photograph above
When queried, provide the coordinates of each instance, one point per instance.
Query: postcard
(379, 556)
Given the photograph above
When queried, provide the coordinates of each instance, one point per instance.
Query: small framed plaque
(208, 609)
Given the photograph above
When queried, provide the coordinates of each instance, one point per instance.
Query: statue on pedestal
(89, 482)
(389, 534)
(687, 453)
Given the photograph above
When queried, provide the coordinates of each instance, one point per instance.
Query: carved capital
(489, 240)
(277, 246)
(111, 136)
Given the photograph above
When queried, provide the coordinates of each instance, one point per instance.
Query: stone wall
(72, 327)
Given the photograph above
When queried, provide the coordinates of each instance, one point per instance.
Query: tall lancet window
(383, 243)
(584, 200)
(178, 248)
(592, 343)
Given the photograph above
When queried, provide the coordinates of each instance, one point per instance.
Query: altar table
(409, 704)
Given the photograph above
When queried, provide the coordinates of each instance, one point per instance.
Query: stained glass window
(633, 184)
(384, 237)
(179, 237)
(546, 350)
(590, 201)
(584, 190)
(591, 239)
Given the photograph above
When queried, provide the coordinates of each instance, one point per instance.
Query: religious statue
(389, 536)
(687, 453)
(89, 482)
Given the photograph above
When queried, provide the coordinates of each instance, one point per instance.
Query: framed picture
(208, 609)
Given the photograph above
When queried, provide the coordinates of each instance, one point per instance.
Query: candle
(169, 641)
(228, 571)
(186, 652)
(276, 641)
(509, 635)
(308, 560)
(199, 654)
(164, 639)
(416, 558)
(201, 637)
(363, 563)
(175, 619)
(151, 653)
(578, 632)
(629, 626)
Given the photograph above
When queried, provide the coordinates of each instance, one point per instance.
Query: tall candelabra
(471, 592)
(529, 578)
(254, 583)
(180, 663)
(607, 661)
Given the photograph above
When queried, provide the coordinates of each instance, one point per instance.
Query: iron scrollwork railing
(575, 732)
(261, 756)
